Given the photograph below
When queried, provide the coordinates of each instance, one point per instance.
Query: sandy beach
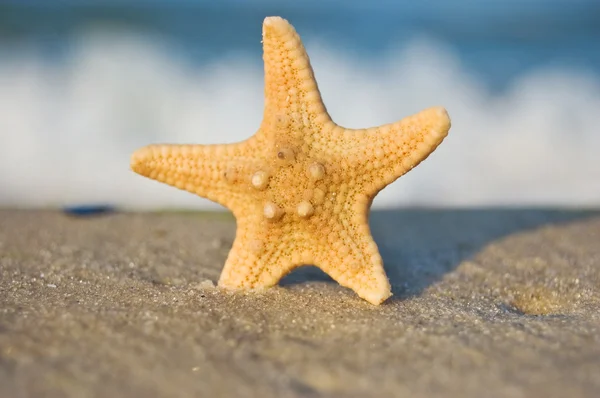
(489, 302)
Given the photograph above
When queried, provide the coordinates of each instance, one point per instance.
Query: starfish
(301, 188)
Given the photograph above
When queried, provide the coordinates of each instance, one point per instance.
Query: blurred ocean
(84, 83)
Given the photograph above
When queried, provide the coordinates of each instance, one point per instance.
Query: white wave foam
(67, 130)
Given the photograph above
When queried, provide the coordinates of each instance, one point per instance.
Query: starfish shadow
(420, 246)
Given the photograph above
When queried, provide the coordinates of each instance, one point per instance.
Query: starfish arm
(348, 253)
(380, 155)
(215, 172)
(398, 147)
(292, 98)
(261, 255)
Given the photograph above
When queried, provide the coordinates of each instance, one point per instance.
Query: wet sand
(491, 302)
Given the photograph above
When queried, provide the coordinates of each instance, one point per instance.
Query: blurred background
(84, 83)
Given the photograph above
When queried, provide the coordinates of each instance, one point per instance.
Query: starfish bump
(302, 186)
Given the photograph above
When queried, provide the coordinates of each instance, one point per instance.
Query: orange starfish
(302, 186)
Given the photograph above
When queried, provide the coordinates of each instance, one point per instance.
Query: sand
(491, 302)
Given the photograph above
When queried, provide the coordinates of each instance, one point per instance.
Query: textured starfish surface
(302, 186)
